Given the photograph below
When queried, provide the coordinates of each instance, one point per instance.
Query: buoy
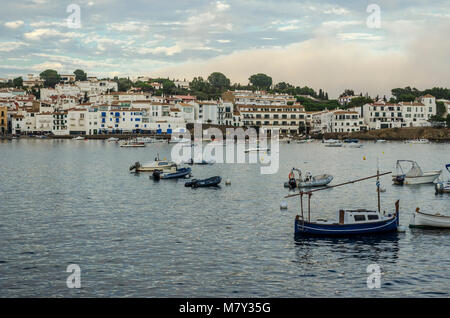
(401, 229)
(283, 205)
(228, 182)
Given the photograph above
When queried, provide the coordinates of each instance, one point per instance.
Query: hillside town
(97, 107)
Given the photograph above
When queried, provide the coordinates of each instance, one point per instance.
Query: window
(372, 217)
(359, 218)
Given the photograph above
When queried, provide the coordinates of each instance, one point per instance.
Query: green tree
(219, 81)
(359, 101)
(261, 81)
(348, 92)
(51, 78)
(124, 84)
(80, 75)
(440, 109)
(18, 82)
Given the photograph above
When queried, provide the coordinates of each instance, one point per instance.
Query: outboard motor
(135, 166)
(156, 175)
(292, 183)
(399, 180)
(439, 187)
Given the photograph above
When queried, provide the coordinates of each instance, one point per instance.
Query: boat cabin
(359, 216)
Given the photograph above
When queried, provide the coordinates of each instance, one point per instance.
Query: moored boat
(79, 138)
(334, 144)
(179, 173)
(415, 175)
(132, 144)
(163, 165)
(349, 222)
(209, 182)
(428, 220)
(443, 186)
(308, 181)
(417, 141)
(257, 149)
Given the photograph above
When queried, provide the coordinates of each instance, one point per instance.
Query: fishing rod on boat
(338, 185)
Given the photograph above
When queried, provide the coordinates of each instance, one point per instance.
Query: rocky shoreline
(407, 133)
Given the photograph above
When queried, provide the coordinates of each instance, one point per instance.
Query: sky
(369, 46)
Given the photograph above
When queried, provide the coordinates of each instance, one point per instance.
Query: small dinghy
(180, 173)
(443, 186)
(427, 220)
(210, 182)
(308, 181)
(200, 162)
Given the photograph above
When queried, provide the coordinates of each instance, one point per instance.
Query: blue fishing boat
(210, 182)
(349, 222)
(180, 173)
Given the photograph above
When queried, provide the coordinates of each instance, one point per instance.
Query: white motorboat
(381, 141)
(304, 141)
(132, 144)
(146, 140)
(163, 165)
(79, 138)
(329, 141)
(257, 149)
(427, 220)
(415, 175)
(354, 145)
(417, 141)
(334, 144)
(308, 181)
(112, 139)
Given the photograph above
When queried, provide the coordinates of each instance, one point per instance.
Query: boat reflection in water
(373, 249)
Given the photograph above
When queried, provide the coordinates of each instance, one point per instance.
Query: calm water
(74, 202)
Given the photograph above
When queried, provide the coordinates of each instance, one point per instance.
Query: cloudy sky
(323, 44)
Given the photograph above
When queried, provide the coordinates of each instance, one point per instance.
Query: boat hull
(210, 182)
(428, 177)
(180, 173)
(330, 230)
(319, 181)
(424, 220)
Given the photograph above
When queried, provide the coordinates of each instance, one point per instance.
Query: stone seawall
(407, 133)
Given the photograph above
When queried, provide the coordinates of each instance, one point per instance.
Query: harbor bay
(75, 202)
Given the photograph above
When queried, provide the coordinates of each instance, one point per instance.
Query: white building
(208, 112)
(382, 115)
(345, 121)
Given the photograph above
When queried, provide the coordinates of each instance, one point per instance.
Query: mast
(378, 186)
